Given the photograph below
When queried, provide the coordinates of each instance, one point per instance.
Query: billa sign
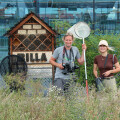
(35, 57)
(34, 40)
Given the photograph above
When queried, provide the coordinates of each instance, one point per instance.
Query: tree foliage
(92, 49)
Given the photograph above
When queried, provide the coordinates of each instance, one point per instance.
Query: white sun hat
(103, 42)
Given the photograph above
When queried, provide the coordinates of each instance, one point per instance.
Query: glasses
(102, 46)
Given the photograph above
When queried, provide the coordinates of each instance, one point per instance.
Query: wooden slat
(11, 46)
(19, 41)
(53, 68)
(32, 23)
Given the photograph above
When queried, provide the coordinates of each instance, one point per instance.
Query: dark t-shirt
(100, 61)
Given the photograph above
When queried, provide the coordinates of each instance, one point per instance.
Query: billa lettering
(30, 58)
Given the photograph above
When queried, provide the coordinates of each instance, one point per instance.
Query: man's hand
(81, 59)
(84, 47)
(60, 66)
(53, 62)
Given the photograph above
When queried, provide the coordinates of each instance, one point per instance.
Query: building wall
(100, 14)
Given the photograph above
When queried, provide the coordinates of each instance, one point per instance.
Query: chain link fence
(42, 73)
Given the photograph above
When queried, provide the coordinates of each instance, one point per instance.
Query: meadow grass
(33, 105)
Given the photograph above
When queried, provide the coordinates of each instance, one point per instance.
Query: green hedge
(92, 50)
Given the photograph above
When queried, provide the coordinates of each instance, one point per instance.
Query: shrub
(15, 82)
(92, 50)
(98, 106)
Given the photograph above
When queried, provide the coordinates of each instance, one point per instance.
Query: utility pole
(36, 6)
(93, 15)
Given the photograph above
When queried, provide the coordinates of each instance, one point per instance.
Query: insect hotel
(34, 40)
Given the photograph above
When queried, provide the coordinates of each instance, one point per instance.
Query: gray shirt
(58, 55)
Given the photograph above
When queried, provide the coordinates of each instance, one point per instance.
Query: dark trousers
(62, 84)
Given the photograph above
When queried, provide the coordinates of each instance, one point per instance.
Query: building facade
(100, 14)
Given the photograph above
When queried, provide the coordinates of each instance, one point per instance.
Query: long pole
(85, 70)
(93, 15)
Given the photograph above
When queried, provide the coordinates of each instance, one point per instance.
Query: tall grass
(33, 105)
